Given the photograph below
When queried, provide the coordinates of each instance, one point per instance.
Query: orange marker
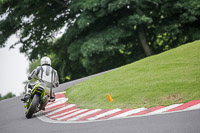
(109, 98)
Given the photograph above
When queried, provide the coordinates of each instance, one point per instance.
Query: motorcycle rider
(45, 74)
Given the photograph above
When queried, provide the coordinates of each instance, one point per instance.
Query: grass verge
(164, 79)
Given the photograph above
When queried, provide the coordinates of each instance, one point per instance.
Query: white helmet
(45, 61)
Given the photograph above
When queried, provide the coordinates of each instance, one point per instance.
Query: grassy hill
(164, 79)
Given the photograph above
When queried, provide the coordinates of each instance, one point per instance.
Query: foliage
(33, 65)
(101, 34)
(8, 95)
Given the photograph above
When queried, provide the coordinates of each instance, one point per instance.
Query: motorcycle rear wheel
(32, 107)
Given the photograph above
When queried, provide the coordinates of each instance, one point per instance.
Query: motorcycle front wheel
(32, 107)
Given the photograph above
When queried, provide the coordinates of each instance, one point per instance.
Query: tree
(33, 65)
(101, 34)
(110, 34)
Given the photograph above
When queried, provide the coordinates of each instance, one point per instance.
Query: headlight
(40, 89)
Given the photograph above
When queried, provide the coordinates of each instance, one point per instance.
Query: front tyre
(32, 107)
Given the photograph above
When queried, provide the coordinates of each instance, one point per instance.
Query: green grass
(164, 79)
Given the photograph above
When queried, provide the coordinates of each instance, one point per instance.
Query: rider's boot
(52, 97)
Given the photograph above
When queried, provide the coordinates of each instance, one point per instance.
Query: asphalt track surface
(13, 120)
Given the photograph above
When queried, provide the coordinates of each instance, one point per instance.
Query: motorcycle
(38, 99)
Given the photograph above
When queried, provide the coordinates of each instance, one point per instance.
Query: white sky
(13, 69)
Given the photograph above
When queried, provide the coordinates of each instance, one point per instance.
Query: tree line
(100, 34)
(8, 95)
